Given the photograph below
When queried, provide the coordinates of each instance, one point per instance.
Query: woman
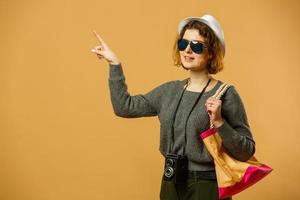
(184, 108)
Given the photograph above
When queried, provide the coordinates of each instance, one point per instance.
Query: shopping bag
(233, 176)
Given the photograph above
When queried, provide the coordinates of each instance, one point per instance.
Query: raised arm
(128, 106)
(124, 104)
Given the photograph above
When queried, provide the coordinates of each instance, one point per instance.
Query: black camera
(176, 168)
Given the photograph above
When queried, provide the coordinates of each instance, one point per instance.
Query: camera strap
(197, 100)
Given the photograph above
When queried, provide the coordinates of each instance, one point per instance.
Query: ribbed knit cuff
(116, 72)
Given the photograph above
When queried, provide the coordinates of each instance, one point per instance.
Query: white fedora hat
(210, 21)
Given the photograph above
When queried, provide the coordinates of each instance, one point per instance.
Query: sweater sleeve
(132, 106)
(235, 131)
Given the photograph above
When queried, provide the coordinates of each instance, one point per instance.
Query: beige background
(59, 137)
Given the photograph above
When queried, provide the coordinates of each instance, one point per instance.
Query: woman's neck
(198, 78)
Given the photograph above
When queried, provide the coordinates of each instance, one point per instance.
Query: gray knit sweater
(162, 100)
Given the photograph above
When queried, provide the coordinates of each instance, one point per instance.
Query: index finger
(101, 41)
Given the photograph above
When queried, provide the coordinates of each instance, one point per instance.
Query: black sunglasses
(195, 45)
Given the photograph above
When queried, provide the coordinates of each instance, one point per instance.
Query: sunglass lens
(182, 44)
(197, 47)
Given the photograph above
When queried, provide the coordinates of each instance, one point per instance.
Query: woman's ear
(209, 58)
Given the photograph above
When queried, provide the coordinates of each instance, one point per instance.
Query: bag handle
(219, 93)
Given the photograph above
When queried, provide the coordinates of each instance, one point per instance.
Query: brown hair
(215, 64)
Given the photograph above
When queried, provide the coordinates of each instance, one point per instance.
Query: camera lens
(169, 171)
(169, 162)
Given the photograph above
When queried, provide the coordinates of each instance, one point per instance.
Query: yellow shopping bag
(233, 176)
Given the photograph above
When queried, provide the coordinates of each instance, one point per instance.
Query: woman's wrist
(218, 123)
(114, 62)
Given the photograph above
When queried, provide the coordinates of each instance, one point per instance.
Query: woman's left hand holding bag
(213, 107)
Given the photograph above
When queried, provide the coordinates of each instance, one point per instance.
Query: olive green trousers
(193, 189)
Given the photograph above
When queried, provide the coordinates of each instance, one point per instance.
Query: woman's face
(190, 59)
